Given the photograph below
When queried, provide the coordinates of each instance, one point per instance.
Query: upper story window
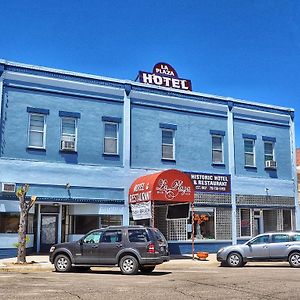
(269, 150)
(111, 133)
(37, 131)
(68, 138)
(249, 152)
(168, 144)
(217, 138)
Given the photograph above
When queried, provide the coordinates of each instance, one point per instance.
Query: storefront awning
(170, 186)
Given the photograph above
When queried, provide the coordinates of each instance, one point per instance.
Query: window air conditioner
(271, 164)
(8, 187)
(68, 145)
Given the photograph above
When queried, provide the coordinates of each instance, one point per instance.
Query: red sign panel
(171, 186)
(165, 75)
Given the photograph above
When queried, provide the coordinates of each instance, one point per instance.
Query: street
(254, 281)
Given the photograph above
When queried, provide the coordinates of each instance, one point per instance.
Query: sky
(245, 49)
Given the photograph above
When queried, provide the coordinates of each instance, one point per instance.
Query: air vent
(8, 187)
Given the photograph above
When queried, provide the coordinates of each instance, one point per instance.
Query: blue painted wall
(282, 149)
(193, 142)
(90, 127)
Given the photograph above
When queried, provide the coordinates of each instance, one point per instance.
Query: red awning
(171, 186)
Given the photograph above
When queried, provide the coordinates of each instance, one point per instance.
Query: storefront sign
(141, 211)
(211, 183)
(165, 75)
(170, 186)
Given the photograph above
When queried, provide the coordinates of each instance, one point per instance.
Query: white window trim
(209, 209)
(273, 150)
(212, 149)
(117, 138)
(251, 224)
(254, 153)
(61, 131)
(164, 144)
(44, 131)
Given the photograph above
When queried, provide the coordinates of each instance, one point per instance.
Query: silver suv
(132, 248)
(275, 246)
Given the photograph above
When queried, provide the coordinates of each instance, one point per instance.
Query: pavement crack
(184, 294)
(72, 294)
(260, 296)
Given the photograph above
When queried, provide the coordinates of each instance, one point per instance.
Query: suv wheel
(294, 260)
(62, 263)
(234, 260)
(129, 265)
(147, 270)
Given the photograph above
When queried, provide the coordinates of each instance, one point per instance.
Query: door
(48, 231)
(280, 245)
(87, 249)
(109, 246)
(258, 248)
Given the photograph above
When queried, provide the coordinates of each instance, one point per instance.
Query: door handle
(265, 247)
(119, 245)
(95, 246)
(288, 245)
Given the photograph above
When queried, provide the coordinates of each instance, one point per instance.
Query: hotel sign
(165, 75)
(211, 183)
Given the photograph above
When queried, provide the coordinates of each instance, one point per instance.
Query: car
(132, 248)
(275, 246)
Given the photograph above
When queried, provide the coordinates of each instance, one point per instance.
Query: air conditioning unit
(68, 145)
(271, 164)
(8, 187)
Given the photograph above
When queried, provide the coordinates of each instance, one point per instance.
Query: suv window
(296, 237)
(280, 238)
(93, 237)
(138, 236)
(261, 240)
(159, 236)
(114, 236)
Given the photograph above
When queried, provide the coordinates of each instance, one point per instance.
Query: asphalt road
(254, 281)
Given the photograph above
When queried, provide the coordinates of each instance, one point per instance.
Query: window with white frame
(168, 144)
(37, 131)
(68, 134)
(111, 134)
(269, 150)
(217, 149)
(249, 152)
(245, 222)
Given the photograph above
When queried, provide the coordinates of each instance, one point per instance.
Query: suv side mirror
(81, 241)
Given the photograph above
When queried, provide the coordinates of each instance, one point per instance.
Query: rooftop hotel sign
(165, 75)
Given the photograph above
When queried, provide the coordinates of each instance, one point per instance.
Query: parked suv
(277, 246)
(132, 248)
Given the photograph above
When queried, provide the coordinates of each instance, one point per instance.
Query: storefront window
(204, 224)
(9, 223)
(81, 224)
(287, 220)
(245, 222)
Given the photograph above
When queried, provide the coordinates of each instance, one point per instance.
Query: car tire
(62, 263)
(147, 270)
(294, 259)
(129, 265)
(234, 259)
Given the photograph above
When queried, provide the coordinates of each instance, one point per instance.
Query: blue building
(80, 141)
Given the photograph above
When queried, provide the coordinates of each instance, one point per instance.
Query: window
(260, 240)
(217, 149)
(245, 220)
(111, 138)
(112, 236)
(93, 237)
(69, 134)
(204, 224)
(37, 130)
(168, 144)
(111, 220)
(249, 153)
(9, 223)
(280, 238)
(138, 236)
(269, 151)
(296, 237)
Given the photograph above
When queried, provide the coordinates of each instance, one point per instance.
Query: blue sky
(239, 48)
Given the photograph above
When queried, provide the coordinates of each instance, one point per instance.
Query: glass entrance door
(48, 231)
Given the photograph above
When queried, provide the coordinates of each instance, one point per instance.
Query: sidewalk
(40, 263)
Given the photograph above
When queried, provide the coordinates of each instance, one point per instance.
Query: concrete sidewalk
(40, 263)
